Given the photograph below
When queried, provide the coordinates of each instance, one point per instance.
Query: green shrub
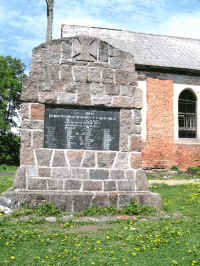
(9, 147)
(193, 169)
(175, 168)
(133, 208)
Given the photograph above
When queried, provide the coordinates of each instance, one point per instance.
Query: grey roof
(148, 49)
(166, 51)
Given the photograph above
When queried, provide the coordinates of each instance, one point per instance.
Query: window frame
(178, 89)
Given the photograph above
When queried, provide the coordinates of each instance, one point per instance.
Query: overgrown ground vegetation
(193, 172)
(166, 237)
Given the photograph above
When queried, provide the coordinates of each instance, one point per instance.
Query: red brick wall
(159, 150)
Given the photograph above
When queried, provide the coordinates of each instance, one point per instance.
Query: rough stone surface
(126, 123)
(99, 174)
(38, 139)
(84, 97)
(81, 201)
(136, 143)
(79, 173)
(101, 200)
(122, 161)
(89, 159)
(59, 159)
(74, 158)
(26, 136)
(62, 201)
(37, 184)
(27, 157)
(37, 111)
(142, 183)
(110, 186)
(105, 159)
(72, 185)
(44, 172)
(43, 157)
(92, 185)
(126, 185)
(107, 76)
(117, 174)
(20, 179)
(60, 172)
(55, 184)
(136, 160)
(124, 142)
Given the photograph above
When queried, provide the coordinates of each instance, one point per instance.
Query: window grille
(187, 115)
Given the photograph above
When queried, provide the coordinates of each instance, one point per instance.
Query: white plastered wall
(143, 86)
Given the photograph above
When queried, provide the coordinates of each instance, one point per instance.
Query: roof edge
(169, 70)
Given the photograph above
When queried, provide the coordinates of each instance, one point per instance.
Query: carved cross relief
(85, 49)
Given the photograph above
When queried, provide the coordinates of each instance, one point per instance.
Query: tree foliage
(11, 75)
(9, 149)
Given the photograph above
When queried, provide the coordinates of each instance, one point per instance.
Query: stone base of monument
(79, 193)
(74, 202)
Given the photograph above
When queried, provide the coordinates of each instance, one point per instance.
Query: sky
(23, 22)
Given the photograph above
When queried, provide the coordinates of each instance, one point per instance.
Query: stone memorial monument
(81, 128)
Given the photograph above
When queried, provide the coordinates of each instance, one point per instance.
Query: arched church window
(187, 118)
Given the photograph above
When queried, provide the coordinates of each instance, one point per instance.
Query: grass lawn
(170, 237)
(7, 168)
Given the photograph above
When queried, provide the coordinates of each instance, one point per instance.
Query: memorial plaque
(84, 128)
